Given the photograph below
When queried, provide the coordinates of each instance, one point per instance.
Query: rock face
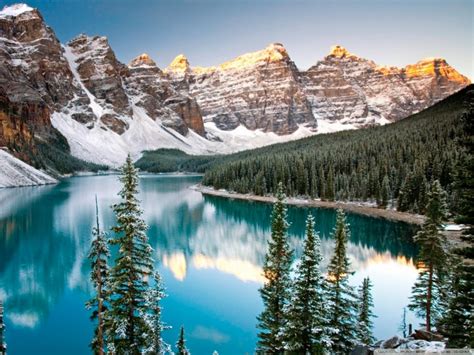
(343, 87)
(264, 90)
(149, 88)
(106, 109)
(34, 79)
(259, 90)
(100, 72)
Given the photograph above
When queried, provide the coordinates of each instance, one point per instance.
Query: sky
(209, 32)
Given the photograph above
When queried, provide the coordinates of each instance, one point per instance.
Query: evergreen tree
(330, 194)
(427, 293)
(365, 314)
(385, 193)
(341, 296)
(458, 323)
(181, 343)
(153, 317)
(3, 344)
(127, 328)
(98, 256)
(306, 329)
(276, 289)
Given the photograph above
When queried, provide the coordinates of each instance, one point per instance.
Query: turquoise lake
(209, 251)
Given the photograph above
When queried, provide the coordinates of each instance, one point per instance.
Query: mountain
(391, 164)
(78, 99)
(14, 172)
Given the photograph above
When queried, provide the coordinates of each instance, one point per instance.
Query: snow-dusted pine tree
(458, 320)
(98, 256)
(306, 328)
(153, 317)
(276, 289)
(341, 296)
(3, 344)
(428, 291)
(365, 314)
(181, 344)
(127, 329)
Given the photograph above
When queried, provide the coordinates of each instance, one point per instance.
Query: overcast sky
(209, 32)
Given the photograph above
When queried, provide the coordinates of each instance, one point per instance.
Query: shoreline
(354, 207)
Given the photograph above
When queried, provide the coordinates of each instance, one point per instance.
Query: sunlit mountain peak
(142, 59)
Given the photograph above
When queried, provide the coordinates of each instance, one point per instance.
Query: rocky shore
(355, 207)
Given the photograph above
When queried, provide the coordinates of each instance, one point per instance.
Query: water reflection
(210, 251)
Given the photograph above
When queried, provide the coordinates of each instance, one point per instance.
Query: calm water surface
(208, 249)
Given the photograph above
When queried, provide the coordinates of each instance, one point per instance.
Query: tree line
(393, 164)
(311, 313)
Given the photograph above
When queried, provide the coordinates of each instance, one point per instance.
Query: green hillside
(395, 161)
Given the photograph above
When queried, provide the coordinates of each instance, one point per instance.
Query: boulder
(421, 334)
(362, 350)
(392, 343)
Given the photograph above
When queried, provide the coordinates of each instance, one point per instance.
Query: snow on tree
(181, 344)
(341, 296)
(127, 328)
(275, 292)
(365, 314)
(428, 291)
(3, 344)
(98, 256)
(153, 317)
(458, 321)
(306, 329)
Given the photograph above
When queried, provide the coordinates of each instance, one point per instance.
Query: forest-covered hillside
(395, 162)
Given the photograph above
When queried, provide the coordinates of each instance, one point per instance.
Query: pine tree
(458, 323)
(98, 256)
(385, 193)
(341, 296)
(3, 344)
(330, 194)
(276, 289)
(153, 317)
(181, 343)
(365, 314)
(127, 328)
(427, 292)
(306, 329)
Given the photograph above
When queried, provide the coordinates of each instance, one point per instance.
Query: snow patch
(15, 10)
(454, 227)
(14, 172)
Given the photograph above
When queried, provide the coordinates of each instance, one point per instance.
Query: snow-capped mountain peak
(106, 109)
(15, 10)
(142, 60)
(179, 64)
(339, 51)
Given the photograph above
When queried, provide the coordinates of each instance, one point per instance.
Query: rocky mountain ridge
(342, 91)
(106, 109)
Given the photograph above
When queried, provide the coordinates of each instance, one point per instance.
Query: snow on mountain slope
(15, 10)
(106, 109)
(14, 172)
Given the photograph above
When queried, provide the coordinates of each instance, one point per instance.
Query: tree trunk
(100, 336)
(428, 298)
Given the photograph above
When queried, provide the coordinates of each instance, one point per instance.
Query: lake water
(209, 251)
